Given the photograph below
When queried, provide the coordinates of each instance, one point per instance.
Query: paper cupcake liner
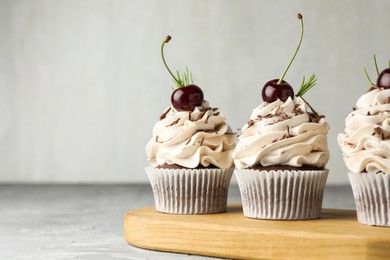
(281, 195)
(190, 191)
(372, 197)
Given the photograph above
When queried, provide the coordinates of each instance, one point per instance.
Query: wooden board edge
(148, 234)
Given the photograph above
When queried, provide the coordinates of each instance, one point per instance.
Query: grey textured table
(86, 221)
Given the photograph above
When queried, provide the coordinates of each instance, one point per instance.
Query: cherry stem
(167, 39)
(376, 65)
(300, 17)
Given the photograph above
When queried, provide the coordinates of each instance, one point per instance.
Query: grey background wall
(82, 82)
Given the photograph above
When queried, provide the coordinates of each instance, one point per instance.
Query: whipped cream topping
(366, 141)
(283, 133)
(189, 139)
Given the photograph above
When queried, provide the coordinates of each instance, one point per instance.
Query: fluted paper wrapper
(372, 197)
(281, 195)
(190, 191)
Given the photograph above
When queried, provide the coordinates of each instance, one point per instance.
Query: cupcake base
(371, 192)
(281, 194)
(190, 191)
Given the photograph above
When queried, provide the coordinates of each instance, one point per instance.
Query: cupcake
(281, 154)
(190, 153)
(366, 152)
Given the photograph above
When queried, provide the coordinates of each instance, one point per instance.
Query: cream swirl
(189, 139)
(366, 141)
(282, 133)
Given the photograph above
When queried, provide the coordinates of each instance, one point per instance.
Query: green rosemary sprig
(376, 65)
(377, 71)
(306, 86)
(368, 77)
(184, 80)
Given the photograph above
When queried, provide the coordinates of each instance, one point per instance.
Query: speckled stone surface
(86, 221)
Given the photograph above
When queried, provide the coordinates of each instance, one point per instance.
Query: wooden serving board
(337, 234)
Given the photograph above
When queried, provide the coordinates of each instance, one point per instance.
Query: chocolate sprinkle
(165, 113)
(277, 110)
(314, 116)
(284, 117)
(379, 132)
(251, 122)
(298, 110)
(174, 122)
(202, 114)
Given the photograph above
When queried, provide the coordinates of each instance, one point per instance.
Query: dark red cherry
(383, 80)
(273, 91)
(187, 98)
